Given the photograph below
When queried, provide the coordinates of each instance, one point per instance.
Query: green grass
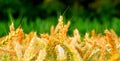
(43, 26)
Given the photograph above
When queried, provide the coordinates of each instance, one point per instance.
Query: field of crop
(59, 46)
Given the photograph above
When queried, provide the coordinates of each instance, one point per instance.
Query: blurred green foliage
(43, 26)
(39, 15)
(48, 8)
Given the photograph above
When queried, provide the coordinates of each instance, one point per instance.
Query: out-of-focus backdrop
(39, 15)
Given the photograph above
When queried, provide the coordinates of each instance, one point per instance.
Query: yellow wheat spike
(89, 51)
(12, 27)
(42, 54)
(19, 35)
(109, 38)
(59, 25)
(77, 35)
(103, 52)
(18, 50)
(61, 56)
(75, 53)
(11, 52)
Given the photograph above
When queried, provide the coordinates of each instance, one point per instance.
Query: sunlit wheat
(59, 46)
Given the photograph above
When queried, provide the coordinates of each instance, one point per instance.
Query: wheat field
(59, 46)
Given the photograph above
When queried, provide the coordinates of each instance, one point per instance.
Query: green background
(39, 15)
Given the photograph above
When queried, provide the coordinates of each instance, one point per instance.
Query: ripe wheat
(58, 46)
